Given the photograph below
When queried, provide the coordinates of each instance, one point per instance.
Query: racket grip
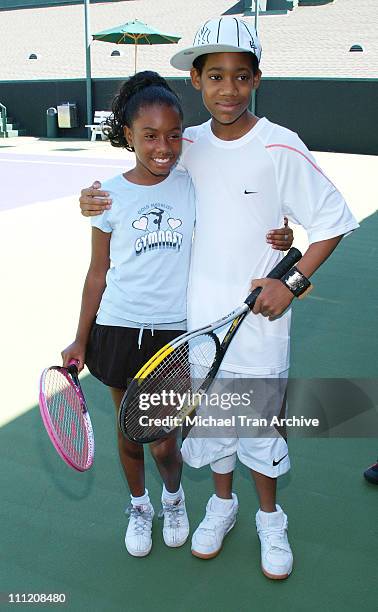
(72, 366)
(290, 259)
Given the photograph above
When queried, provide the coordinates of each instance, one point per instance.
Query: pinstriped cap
(221, 35)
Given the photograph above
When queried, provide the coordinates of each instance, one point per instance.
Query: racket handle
(72, 366)
(290, 259)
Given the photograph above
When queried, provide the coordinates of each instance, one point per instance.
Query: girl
(136, 283)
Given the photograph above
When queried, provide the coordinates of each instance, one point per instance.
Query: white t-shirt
(243, 189)
(150, 246)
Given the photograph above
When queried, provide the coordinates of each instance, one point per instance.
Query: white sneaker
(208, 538)
(276, 555)
(138, 538)
(176, 523)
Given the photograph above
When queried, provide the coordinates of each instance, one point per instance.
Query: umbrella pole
(135, 55)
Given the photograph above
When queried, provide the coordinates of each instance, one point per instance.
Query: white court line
(60, 163)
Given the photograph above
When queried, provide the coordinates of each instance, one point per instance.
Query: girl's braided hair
(143, 89)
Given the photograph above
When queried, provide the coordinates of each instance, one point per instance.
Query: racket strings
(168, 388)
(66, 416)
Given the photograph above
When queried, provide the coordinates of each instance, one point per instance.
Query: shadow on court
(62, 531)
(335, 329)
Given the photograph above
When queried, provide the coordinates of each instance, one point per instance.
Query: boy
(247, 173)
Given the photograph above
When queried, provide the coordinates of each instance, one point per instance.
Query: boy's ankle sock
(222, 505)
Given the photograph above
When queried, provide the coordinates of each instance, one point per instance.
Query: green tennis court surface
(62, 532)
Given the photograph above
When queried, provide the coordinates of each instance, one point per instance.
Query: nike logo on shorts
(248, 192)
(279, 460)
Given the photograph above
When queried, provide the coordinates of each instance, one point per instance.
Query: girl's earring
(129, 144)
(128, 139)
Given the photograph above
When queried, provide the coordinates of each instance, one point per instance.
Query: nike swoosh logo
(248, 192)
(279, 461)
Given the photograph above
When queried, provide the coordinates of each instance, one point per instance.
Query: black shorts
(113, 355)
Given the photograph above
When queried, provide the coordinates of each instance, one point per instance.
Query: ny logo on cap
(202, 36)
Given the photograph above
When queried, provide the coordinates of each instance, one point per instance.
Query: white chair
(98, 123)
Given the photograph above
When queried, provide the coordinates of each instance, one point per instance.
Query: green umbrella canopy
(136, 33)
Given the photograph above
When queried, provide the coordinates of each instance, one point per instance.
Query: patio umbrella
(136, 33)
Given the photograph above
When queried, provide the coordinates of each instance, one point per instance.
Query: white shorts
(244, 431)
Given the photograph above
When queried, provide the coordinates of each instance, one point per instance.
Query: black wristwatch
(298, 284)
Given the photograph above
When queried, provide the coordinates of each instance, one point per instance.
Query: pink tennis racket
(65, 416)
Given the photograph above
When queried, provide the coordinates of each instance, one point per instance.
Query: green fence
(328, 114)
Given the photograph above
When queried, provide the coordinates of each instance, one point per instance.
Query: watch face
(295, 281)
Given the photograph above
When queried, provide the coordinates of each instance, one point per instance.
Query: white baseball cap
(224, 34)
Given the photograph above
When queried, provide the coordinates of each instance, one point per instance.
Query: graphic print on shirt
(156, 237)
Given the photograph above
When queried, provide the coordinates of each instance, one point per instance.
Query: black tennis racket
(153, 404)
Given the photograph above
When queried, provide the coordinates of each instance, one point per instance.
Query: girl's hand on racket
(274, 298)
(93, 201)
(75, 351)
(281, 239)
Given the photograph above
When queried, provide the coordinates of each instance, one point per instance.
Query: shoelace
(174, 512)
(142, 518)
(276, 538)
(209, 517)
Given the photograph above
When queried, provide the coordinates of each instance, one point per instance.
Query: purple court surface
(26, 179)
